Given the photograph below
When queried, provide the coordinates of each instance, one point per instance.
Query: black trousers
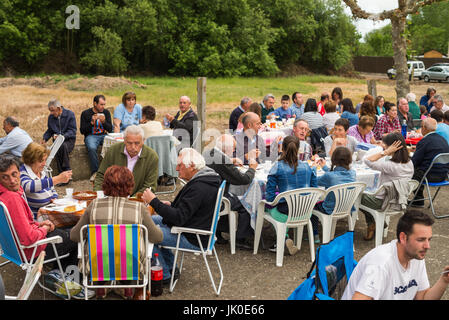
(62, 156)
(244, 229)
(66, 246)
(419, 174)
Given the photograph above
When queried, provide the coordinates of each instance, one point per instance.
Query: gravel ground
(256, 277)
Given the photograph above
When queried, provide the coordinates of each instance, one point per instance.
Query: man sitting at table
(219, 159)
(300, 130)
(141, 160)
(193, 207)
(16, 139)
(183, 122)
(237, 112)
(249, 140)
(61, 121)
(426, 150)
(95, 122)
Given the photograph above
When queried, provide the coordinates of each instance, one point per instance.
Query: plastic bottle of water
(404, 129)
(156, 277)
(166, 123)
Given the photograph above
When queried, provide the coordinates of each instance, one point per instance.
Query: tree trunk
(400, 56)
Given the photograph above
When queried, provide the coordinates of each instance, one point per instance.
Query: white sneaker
(92, 177)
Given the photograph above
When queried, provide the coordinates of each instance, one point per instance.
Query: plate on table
(84, 195)
(65, 209)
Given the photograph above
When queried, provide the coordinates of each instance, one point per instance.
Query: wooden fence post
(201, 106)
(372, 90)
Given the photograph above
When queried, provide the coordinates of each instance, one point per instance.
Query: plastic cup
(69, 192)
(100, 194)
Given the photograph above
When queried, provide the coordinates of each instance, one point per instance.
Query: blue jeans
(92, 143)
(166, 257)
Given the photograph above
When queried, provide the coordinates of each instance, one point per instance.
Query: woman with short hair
(127, 113)
(363, 131)
(38, 187)
(397, 165)
(331, 115)
(116, 208)
(149, 126)
(339, 138)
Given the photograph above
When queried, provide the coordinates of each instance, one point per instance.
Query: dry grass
(29, 104)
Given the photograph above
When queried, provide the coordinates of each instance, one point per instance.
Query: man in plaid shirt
(388, 122)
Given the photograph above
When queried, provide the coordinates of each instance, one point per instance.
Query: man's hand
(169, 117)
(253, 154)
(237, 162)
(445, 275)
(253, 164)
(148, 196)
(48, 225)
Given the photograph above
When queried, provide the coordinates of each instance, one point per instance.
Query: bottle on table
(156, 276)
(404, 129)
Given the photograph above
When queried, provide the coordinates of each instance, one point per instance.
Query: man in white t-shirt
(397, 270)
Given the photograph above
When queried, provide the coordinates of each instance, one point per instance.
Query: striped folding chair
(114, 254)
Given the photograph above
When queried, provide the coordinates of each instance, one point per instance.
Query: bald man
(249, 143)
(183, 120)
(426, 150)
(220, 159)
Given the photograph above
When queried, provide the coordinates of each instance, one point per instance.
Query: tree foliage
(180, 37)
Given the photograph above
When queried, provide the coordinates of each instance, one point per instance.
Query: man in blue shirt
(428, 100)
(442, 128)
(16, 139)
(284, 112)
(297, 106)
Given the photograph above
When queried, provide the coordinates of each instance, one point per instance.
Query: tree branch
(414, 5)
(358, 12)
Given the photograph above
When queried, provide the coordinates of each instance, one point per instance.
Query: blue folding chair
(204, 252)
(13, 251)
(330, 272)
(441, 159)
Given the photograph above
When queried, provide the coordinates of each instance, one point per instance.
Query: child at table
(339, 173)
(286, 174)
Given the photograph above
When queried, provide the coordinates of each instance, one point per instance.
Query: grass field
(29, 103)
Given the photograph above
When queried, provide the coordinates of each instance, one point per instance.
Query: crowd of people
(328, 129)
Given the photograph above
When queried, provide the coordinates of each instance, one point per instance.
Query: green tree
(378, 42)
(105, 56)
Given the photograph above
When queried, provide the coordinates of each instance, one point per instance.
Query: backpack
(317, 137)
(330, 272)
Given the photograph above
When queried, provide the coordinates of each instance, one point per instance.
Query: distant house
(433, 54)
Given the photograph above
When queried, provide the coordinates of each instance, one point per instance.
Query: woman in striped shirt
(39, 189)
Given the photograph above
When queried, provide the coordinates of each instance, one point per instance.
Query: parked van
(418, 67)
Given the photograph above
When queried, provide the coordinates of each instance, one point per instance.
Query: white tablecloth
(250, 195)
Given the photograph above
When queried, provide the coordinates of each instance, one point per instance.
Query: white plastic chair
(13, 251)
(300, 204)
(232, 216)
(53, 150)
(204, 252)
(381, 217)
(346, 196)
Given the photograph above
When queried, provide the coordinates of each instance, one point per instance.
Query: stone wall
(79, 162)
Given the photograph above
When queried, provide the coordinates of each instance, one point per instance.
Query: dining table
(251, 194)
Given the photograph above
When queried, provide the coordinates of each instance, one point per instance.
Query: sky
(371, 6)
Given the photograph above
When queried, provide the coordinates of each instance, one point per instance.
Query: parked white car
(418, 67)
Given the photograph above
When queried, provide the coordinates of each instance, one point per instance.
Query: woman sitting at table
(149, 126)
(286, 174)
(388, 122)
(349, 112)
(116, 208)
(331, 115)
(339, 173)
(311, 114)
(38, 187)
(362, 132)
(393, 163)
(127, 113)
(339, 138)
